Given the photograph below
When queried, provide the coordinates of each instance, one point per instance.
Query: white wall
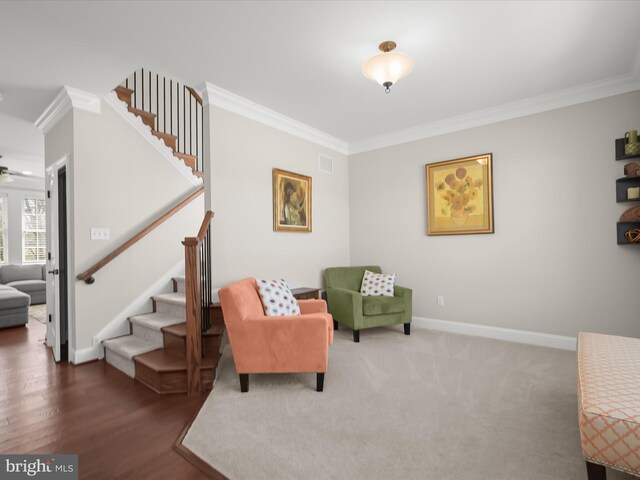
(117, 180)
(122, 183)
(58, 147)
(243, 154)
(15, 196)
(553, 264)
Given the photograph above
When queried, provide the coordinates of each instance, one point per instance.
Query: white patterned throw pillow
(277, 299)
(377, 284)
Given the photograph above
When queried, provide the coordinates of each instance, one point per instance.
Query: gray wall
(552, 265)
(243, 154)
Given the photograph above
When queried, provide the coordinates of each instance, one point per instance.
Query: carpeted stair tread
(155, 321)
(175, 298)
(180, 330)
(130, 345)
(165, 361)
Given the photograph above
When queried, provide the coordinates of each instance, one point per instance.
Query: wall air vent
(325, 163)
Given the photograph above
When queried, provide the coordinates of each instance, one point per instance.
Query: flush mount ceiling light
(388, 67)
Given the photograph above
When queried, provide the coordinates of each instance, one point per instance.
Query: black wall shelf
(624, 227)
(620, 151)
(622, 184)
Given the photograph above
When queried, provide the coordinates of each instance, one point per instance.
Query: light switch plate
(99, 233)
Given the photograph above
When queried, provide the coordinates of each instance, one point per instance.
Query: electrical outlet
(100, 233)
(441, 300)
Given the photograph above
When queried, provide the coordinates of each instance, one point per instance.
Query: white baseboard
(86, 354)
(499, 333)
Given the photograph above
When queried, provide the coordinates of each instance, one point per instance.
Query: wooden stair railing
(87, 275)
(173, 111)
(197, 263)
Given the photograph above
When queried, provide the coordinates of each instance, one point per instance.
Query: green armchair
(350, 308)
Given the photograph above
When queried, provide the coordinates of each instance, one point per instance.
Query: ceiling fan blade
(20, 174)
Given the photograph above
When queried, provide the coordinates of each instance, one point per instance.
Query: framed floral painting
(291, 202)
(460, 196)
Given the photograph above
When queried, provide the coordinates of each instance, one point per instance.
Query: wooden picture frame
(291, 202)
(460, 196)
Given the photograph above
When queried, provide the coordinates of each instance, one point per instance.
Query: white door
(53, 280)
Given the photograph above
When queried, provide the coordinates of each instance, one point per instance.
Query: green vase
(631, 147)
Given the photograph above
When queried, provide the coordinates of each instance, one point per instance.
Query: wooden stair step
(162, 361)
(198, 174)
(148, 118)
(124, 94)
(175, 339)
(168, 139)
(180, 330)
(189, 160)
(166, 372)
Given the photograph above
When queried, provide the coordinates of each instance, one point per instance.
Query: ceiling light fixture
(388, 67)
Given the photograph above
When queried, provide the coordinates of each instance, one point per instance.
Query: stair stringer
(145, 131)
(119, 325)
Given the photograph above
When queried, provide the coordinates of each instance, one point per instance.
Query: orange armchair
(262, 344)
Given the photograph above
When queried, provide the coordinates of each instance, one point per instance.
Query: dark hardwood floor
(118, 427)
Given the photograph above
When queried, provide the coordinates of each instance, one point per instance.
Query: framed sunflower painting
(291, 202)
(460, 196)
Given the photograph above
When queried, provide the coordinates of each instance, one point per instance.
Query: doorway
(57, 259)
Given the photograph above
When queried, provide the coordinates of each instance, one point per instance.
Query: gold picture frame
(291, 202)
(460, 196)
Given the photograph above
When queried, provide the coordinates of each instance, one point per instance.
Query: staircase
(175, 348)
(154, 353)
(184, 136)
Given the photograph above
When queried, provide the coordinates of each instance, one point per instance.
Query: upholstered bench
(609, 403)
(14, 307)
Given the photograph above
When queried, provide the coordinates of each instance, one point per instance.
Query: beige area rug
(39, 313)
(427, 406)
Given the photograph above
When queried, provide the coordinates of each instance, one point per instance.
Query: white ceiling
(303, 59)
(21, 146)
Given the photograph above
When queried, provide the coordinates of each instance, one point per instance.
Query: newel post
(193, 314)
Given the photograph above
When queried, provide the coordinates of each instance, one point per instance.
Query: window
(34, 245)
(3, 229)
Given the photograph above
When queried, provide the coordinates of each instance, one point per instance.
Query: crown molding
(562, 98)
(226, 100)
(54, 112)
(67, 98)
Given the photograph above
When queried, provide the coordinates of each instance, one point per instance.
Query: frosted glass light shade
(388, 67)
